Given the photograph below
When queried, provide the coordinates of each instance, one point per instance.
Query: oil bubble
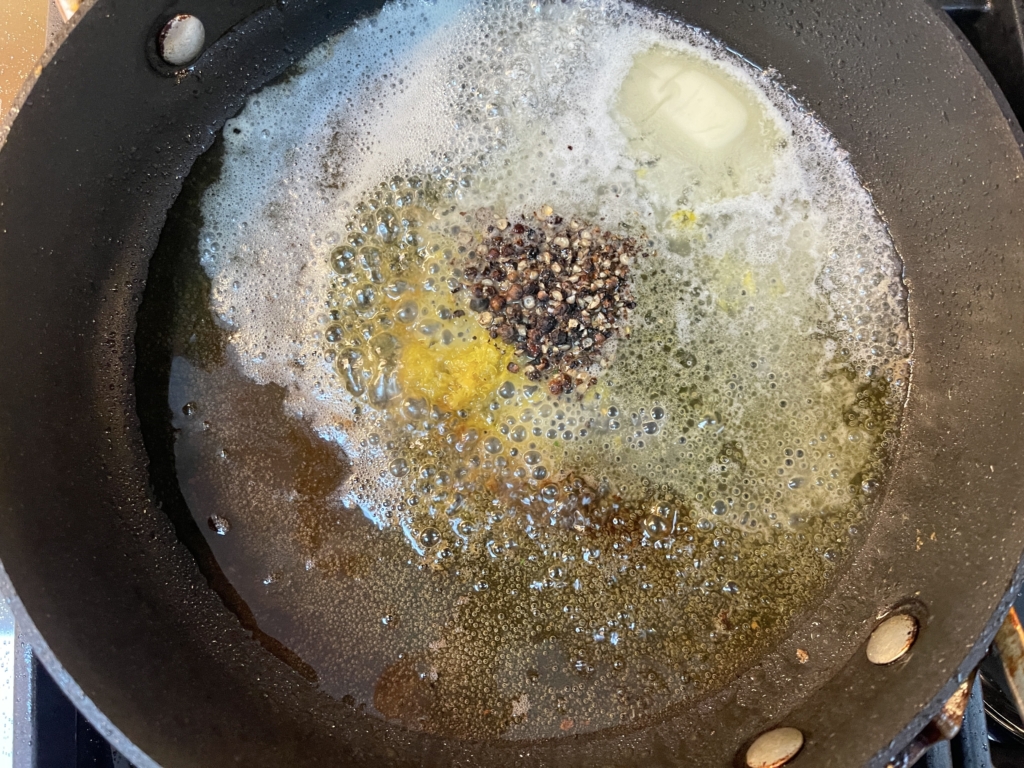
(655, 526)
(407, 312)
(430, 537)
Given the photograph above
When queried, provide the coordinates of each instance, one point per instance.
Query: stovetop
(50, 733)
(995, 30)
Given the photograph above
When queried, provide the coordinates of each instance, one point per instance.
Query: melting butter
(698, 132)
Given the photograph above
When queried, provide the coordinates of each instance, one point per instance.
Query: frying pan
(122, 611)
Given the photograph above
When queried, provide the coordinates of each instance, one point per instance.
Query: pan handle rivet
(181, 39)
(892, 639)
(774, 748)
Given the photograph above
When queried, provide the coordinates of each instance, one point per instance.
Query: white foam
(491, 95)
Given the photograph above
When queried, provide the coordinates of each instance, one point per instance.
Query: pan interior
(733, 448)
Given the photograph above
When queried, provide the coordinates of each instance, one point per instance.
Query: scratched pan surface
(120, 608)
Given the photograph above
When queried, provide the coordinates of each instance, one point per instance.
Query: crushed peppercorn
(556, 290)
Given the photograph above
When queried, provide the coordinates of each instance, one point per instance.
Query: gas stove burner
(1005, 727)
(995, 30)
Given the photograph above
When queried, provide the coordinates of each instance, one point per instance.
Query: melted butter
(490, 561)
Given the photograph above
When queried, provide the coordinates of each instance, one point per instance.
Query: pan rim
(989, 627)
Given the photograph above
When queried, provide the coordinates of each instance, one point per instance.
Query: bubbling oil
(447, 543)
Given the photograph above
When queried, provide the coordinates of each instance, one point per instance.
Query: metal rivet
(774, 748)
(892, 639)
(181, 39)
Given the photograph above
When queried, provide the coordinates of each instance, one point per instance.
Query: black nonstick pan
(123, 612)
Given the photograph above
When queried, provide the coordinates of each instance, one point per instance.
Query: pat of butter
(697, 133)
(674, 95)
